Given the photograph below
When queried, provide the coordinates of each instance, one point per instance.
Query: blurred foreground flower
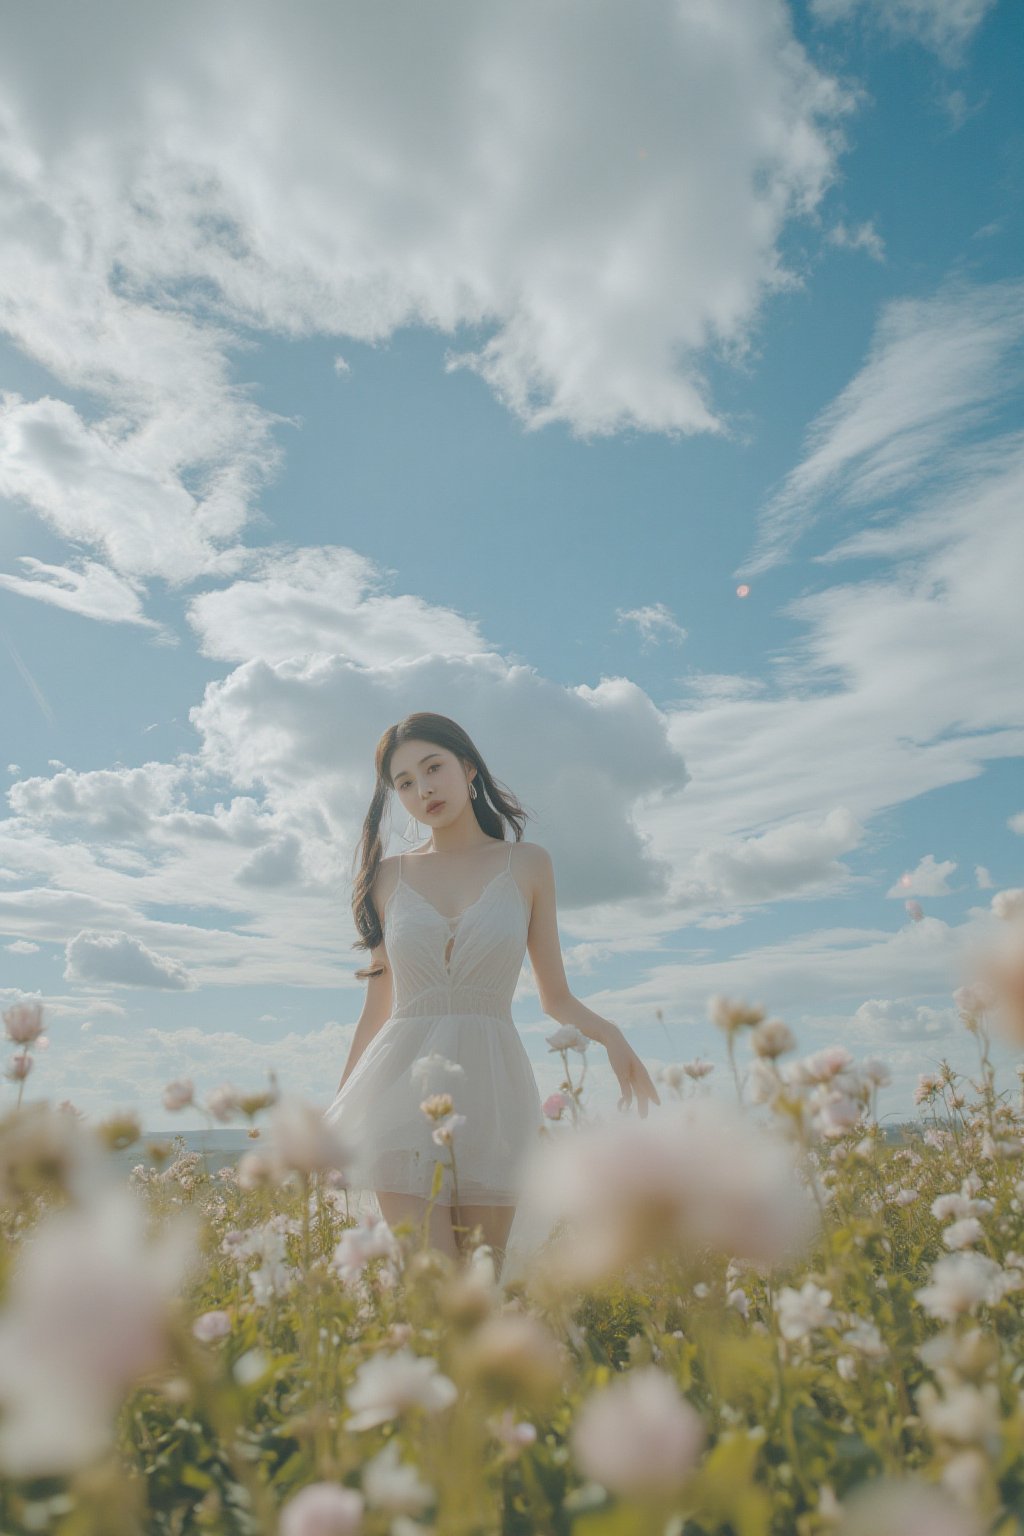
(322, 1509)
(891, 1508)
(303, 1141)
(638, 1437)
(23, 1022)
(85, 1315)
(386, 1384)
(700, 1175)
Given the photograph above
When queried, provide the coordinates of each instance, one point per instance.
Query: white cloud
(299, 732)
(153, 222)
(859, 237)
(983, 878)
(928, 879)
(119, 960)
(279, 864)
(943, 25)
(330, 600)
(938, 369)
(793, 859)
(887, 1020)
(654, 621)
(91, 590)
(22, 947)
(119, 804)
(1016, 823)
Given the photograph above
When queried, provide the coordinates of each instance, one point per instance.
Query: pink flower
(20, 1067)
(209, 1326)
(554, 1105)
(86, 1314)
(887, 1507)
(699, 1173)
(322, 1509)
(638, 1437)
(24, 1022)
(698, 1068)
(178, 1095)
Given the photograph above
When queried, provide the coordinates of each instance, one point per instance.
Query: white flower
(568, 1038)
(800, 1312)
(737, 1299)
(865, 1338)
(963, 1234)
(386, 1384)
(959, 1284)
(274, 1277)
(945, 1206)
(638, 1437)
(393, 1485)
(85, 1315)
(966, 1414)
(902, 1196)
(442, 1134)
(514, 1435)
(672, 1075)
(371, 1238)
(834, 1113)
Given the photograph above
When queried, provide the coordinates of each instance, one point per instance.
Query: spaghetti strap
(509, 864)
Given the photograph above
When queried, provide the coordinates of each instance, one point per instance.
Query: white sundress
(460, 1010)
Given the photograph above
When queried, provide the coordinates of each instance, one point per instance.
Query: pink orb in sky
(743, 591)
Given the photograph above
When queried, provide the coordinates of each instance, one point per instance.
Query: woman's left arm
(560, 1004)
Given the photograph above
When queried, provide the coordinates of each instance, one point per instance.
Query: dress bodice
(468, 964)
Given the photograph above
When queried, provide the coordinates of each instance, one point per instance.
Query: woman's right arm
(377, 1007)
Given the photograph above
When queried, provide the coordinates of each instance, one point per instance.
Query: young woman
(447, 925)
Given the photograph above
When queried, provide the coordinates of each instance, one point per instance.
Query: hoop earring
(472, 790)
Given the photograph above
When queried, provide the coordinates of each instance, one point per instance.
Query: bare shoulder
(534, 869)
(532, 858)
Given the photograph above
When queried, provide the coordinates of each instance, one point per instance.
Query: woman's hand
(633, 1076)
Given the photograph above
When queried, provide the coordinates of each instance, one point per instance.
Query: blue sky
(409, 360)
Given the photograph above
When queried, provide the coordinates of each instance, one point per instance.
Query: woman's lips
(436, 807)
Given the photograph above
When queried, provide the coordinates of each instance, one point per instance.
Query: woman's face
(423, 774)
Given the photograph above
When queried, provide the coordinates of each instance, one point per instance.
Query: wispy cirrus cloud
(938, 370)
(945, 26)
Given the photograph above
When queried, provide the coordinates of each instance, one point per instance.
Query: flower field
(753, 1314)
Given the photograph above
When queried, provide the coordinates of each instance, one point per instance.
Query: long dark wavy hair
(494, 806)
